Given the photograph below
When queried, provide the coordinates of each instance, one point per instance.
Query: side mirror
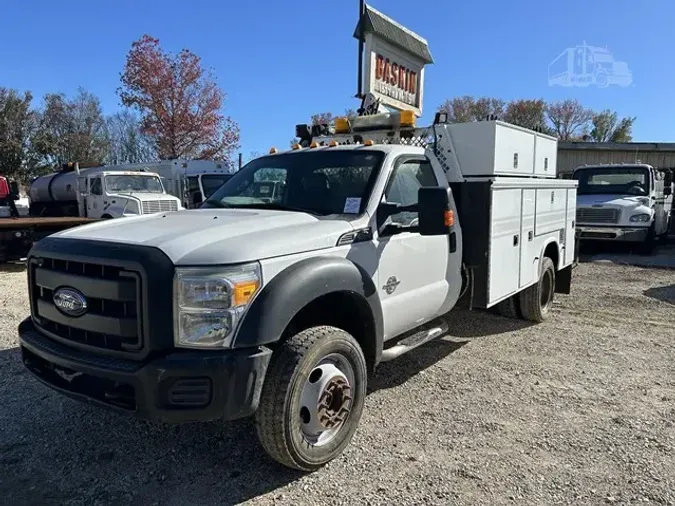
(434, 216)
(14, 189)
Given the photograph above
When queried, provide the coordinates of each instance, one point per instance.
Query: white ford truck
(282, 308)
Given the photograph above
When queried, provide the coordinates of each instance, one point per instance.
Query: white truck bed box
(495, 148)
(507, 224)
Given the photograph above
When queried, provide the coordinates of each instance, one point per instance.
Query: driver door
(411, 276)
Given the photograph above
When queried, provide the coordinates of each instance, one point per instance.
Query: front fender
(299, 284)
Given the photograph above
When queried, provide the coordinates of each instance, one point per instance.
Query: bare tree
(128, 144)
(569, 118)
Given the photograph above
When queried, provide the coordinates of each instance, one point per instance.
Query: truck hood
(613, 201)
(218, 236)
(144, 196)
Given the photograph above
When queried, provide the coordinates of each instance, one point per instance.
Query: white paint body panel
(489, 148)
(524, 221)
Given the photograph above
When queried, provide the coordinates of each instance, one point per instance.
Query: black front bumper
(180, 387)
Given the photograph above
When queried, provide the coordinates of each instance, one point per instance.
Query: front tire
(649, 244)
(536, 300)
(312, 399)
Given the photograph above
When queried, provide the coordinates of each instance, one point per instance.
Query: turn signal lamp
(449, 218)
(244, 291)
(368, 142)
(314, 144)
(333, 143)
(296, 147)
(273, 150)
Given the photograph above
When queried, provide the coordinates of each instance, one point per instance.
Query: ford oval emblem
(70, 302)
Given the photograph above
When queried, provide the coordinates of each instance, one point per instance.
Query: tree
(128, 144)
(607, 127)
(466, 108)
(321, 118)
(527, 113)
(17, 126)
(459, 109)
(71, 130)
(569, 118)
(179, 101)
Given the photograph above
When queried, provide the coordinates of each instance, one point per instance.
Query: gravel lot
(579, 410)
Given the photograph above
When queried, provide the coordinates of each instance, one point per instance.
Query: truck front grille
(112, 320)
(597, 215)
(159, 206)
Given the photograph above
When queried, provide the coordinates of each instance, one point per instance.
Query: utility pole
(362, 12)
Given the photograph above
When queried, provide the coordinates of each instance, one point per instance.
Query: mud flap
(563, 280)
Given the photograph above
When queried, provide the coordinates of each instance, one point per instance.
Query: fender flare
(298, 285)
(560, 253)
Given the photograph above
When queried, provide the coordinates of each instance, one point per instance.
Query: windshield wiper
(216, 203)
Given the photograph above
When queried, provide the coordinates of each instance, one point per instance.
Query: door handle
(530, 235)
(515, 240)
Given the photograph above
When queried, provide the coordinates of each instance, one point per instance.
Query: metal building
(573, 154)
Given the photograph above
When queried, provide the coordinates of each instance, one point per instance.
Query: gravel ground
(579, 410)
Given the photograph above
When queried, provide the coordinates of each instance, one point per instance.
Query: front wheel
(313, 398)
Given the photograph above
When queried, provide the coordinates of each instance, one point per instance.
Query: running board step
(436, 330)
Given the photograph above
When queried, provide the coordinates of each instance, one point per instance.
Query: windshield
(125, 183)
(322, 182)
(211, 182)
(613, 180)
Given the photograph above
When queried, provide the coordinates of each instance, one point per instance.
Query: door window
(95, 186)
(408, 178)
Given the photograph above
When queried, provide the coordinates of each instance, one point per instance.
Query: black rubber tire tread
(649, 245)
(509, 308)
(272, 426)
(530, 298)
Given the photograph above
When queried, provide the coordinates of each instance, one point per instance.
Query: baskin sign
(393, 61)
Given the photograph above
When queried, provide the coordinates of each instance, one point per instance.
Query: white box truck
(281, 308)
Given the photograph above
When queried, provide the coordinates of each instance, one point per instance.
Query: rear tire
(536, 300)
(312, 399)
(510, 308)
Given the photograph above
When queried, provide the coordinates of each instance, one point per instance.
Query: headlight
(641, 218)
(131, 207)
(209, 302)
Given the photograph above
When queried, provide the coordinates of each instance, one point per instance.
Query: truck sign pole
(362, 11)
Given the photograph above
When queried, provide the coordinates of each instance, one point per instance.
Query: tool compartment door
(570, 227)
(505, 240)
(528, 246)
(551, 210)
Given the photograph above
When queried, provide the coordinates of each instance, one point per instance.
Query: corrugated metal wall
(569, 159)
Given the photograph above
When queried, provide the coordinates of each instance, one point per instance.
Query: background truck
(283, 308)
(99, 192)
(191, 181)
(624, 202)
(17, 231)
